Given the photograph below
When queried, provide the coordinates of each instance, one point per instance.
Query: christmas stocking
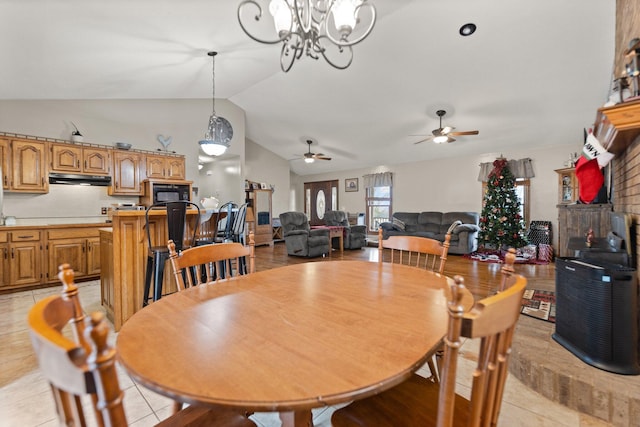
(590, 179)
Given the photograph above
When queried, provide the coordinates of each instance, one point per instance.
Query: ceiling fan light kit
(310, 157)
(445, 134)
(219, 131)
(311, 27)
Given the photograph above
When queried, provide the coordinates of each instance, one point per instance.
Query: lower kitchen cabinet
(21, 259)
(4, 259)
(30, 255)
(78, 247)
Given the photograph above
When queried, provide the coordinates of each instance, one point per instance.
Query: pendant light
(219, 131)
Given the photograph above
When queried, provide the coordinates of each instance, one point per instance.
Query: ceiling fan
(310, 157)
(445, 134)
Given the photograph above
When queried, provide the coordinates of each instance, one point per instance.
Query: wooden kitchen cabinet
(24, 258)
(107, 288)
(127, 173)
(165, 167)
(4, 259)
(79, 247)
(5, 164)
(28, 167)
(72, 158)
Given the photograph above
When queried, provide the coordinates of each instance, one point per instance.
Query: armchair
(354, 235)
(300, 239)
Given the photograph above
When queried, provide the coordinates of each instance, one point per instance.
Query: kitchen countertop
(54, 223)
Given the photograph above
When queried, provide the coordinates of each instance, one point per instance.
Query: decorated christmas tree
(501, 224)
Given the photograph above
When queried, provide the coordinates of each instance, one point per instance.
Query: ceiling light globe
(212, 148)
(440, 139)
(309, 159)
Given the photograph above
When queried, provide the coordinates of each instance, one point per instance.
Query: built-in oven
(157, 192)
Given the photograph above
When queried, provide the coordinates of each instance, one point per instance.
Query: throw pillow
(398, 224)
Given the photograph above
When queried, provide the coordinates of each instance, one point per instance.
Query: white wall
(262, 165)
(452, 185)
(138, 122)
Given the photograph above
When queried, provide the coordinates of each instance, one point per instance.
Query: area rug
(539, 304)
(498, 257)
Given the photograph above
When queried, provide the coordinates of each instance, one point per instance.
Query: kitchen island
(123, 251)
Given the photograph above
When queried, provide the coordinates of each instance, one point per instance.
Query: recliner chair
(300, 239)
(354, 235)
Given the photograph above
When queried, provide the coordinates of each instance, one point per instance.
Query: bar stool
(176, 219)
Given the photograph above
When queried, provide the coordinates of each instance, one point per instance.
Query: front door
(320, 197)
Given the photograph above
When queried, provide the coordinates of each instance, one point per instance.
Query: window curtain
(522, 169)
(384, 179)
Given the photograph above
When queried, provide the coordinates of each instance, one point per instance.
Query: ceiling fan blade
(423, 140)
(449, 139)
(466, 132)
(445, 130)
(322, 158)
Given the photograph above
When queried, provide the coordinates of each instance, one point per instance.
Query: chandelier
(327, 28)
(219, 131)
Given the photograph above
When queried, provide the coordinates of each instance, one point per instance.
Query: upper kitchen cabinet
(5, 163)
(165, 166)
(72, 158)
(127, 172)
(28, 167)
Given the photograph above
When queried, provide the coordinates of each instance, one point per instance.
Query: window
(378, 207)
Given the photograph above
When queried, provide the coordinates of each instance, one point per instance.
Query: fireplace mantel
(618, 126)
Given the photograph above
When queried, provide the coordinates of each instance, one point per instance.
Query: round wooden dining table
(289, 339)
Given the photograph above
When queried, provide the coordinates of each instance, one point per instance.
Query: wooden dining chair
(75, 356)
(420, 252)
(417, 251)
(203, 264)
(421, 402)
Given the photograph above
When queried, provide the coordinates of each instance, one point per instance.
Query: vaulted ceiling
(533, 73)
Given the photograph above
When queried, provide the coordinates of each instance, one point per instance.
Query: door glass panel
(320, 204)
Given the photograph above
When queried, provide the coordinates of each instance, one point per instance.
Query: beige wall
(263, 165)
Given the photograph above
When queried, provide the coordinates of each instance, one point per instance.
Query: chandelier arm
(364, 35)
(334, 65)
(258, 16)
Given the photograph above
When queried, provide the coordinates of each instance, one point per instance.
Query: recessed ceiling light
(467, 29)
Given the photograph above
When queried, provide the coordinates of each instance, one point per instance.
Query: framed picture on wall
(351, 184)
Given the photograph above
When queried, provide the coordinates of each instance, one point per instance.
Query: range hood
(73, 179)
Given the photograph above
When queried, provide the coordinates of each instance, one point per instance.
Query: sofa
(354, 235)
(464, 237)
(300, 239)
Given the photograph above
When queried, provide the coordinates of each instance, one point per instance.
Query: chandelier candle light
(219, 132)
(302, 26)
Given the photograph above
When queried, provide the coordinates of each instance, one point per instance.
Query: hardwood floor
(481, 278)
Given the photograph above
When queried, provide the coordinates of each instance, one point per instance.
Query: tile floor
(26, 401)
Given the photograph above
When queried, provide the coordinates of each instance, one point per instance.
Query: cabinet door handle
(6, 253)
(24, 237)
(12, 254)
(78, 163)
(85, 164)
